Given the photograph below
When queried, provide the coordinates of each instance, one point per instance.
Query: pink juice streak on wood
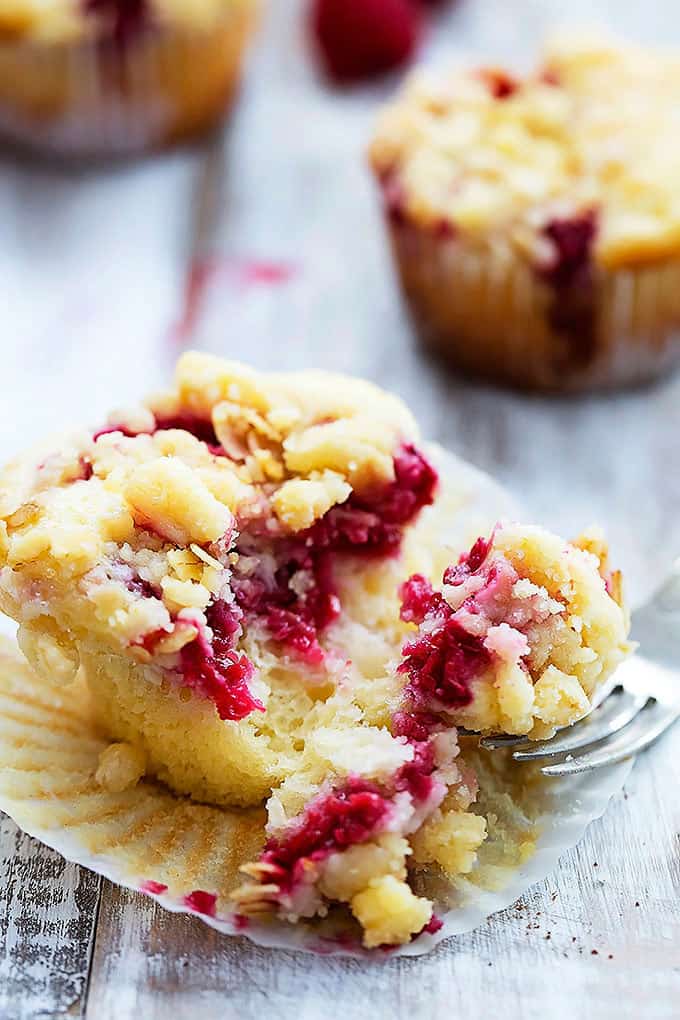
(242, 273)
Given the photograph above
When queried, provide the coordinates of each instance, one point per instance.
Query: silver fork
(644, 700)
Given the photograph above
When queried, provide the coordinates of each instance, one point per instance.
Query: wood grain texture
(290, 186)
(47, 921)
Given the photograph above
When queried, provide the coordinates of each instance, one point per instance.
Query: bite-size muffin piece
(98, 77)
(535, 221)
(523, 633)
(356, 838)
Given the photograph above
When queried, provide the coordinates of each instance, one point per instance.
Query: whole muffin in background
(95, 77)
(535, 221)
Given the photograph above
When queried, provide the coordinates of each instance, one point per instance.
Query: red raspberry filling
(293, 591)
(138, 586)
(573, 240)
(441, 663)
(152, 888)
(215, 668)
(572, 311)
(367, 525)
(373, 524)
(415, 777)
(330, 822)
(500, 84)
(86, 470)
(443, 659)
(293, 631)
(125, 18)
(415, 726)
(201, 902)
(370, 526)
(434, 925)
(344, 817)
(469, 563)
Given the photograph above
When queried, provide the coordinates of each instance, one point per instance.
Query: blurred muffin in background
(117, 76)
(535, 222)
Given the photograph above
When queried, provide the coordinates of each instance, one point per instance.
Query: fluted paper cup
(493, 315)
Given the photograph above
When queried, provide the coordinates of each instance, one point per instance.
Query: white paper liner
(488, 312)
(31, 794)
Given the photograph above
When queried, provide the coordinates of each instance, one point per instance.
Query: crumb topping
(223, 506)
(51, 21)
(528, 159)
(120, 767)
(513, 640)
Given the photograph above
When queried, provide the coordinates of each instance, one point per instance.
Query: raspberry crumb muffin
(535, 221)
(244, 572)
(109, 76)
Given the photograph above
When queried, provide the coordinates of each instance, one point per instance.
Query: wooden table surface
(92, 269)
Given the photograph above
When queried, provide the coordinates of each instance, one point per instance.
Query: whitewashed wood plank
(47, 917)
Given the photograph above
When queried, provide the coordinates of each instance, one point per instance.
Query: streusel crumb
(485, 151)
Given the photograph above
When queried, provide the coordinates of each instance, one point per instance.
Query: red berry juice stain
(153, 888)
(201, 902)
(241, 273)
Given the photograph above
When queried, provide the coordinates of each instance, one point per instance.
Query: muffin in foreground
(535, 221)
(249, 575)
(99, 77)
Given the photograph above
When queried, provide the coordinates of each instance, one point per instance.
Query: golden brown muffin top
(590, 133)
(51, 21)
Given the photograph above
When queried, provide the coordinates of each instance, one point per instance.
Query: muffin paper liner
(94, 99)
(187, 855)
(490, 313)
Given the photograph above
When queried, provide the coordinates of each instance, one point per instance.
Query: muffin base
(187, 855)
(493, 316)
(185, 743)
(93, 99)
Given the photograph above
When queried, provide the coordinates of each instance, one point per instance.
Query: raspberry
(330, 822)
(361, 38)
(126, 18)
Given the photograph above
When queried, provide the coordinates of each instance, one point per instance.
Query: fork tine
(495, 743)
(616, 712)
(647, 727)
